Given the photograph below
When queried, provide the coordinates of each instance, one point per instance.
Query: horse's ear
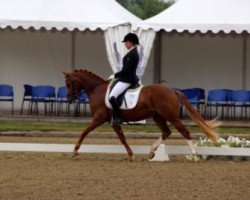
(65, 73)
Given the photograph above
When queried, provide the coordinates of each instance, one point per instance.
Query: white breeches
(119, 88)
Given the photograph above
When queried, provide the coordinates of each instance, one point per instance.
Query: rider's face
(128, 44)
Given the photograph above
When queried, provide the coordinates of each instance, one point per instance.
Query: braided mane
(90, 74)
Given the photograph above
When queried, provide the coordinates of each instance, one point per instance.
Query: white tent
(204, 43)
(204, 16)
(41, 38)
(60, 14)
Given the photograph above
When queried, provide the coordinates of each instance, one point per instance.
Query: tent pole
(73, 41)
(157, 57)
(244, 59)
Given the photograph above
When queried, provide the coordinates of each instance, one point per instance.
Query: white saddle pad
(130, 100)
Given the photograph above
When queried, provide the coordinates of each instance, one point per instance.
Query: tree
(145, 8)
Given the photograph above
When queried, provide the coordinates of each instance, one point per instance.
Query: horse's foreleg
(91, 127)
(123, 140)
(162, 124)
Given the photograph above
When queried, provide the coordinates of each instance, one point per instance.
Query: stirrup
(116, 121)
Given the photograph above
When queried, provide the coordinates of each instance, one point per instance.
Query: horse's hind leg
(184, 131)
(123, 140)
(162, 124)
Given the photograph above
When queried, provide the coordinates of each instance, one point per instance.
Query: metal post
(244, 59)
(73, 41)
(158, 57)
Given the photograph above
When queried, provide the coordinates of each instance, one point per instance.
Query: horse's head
(72, 87)
(79, 80)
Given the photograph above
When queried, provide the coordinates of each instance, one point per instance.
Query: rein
(75, 92)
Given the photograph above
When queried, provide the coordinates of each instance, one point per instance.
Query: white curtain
(116, 50)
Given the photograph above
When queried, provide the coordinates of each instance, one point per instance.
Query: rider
(126, 76)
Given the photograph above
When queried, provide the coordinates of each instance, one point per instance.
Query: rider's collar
(131, 49)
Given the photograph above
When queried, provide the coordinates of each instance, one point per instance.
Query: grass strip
(29, 126)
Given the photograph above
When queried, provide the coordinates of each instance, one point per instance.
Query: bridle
(74, 93)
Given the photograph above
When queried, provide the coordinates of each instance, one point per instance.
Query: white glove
(111, 77)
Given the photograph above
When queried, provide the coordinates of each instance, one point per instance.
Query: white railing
(162, 153)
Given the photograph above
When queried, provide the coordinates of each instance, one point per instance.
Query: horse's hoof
(196, 158)
(75, 153)
(151, 155)
(193, 157)
(131, 158)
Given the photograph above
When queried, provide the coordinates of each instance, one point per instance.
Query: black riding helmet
(131, 37)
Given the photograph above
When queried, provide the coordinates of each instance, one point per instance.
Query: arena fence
(162, 153)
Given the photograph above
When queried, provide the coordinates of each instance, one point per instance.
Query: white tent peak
(203, 16)
(60, 14)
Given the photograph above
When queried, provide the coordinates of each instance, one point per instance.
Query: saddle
(128, 99)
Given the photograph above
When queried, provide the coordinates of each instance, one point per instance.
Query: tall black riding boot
(117, 117)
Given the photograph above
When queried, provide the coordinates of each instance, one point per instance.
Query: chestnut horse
(156, 101)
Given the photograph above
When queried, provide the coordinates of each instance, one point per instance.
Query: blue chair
(43, 94)
(7, 95)
(191, 94)
(196, 96)
(201, 94)
(81, 100)
(27, 96)
(218, 98)
(241, 99)
(229, 94)
(62, 99)
(201, 99)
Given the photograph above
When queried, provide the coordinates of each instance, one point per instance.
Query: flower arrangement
(221, 142)
(231, 141)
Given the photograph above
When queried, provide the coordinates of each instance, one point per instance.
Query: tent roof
(203, 16)
(60, 14)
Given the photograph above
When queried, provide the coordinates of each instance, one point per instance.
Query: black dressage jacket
(128, 71)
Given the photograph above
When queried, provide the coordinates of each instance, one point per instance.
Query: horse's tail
(207, 127)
